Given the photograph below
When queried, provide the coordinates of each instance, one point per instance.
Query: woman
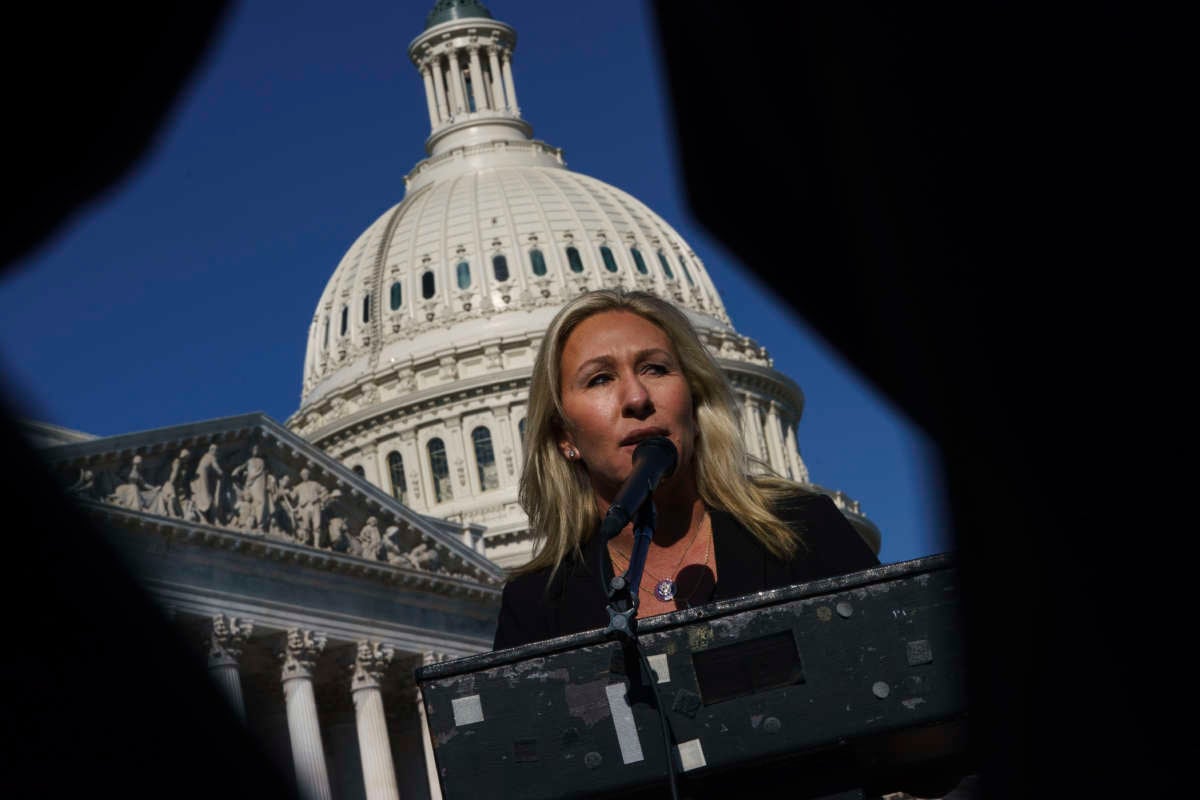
(615, 368)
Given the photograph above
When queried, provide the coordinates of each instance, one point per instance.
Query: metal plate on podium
(872, 661)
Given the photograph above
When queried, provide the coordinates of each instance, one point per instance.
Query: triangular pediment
(250, 477)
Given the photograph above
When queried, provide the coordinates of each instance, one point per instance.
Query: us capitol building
(317, 562)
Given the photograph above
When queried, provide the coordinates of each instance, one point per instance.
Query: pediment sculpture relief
(238, 487)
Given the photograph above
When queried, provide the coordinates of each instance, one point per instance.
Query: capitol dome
(422, 343)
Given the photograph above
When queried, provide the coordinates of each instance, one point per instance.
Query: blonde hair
(557, 495)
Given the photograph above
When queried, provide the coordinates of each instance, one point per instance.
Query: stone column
(799, 471)
(435, 785)
(225, 642)
(456, 84)
(751, 432)
(497, 90)
(503, 446)
(479, 87)
(439, 88)
(430, 95)
(299, 659)
(774, 436)
(379, 773)
(509, 88)
(371, 463)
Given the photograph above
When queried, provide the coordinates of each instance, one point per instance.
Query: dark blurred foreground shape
(951, 194)
(959, 177)
(101, 696)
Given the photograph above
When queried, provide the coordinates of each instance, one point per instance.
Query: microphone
(653, 459)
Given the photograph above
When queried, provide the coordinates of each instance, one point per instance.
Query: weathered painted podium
(844, 687)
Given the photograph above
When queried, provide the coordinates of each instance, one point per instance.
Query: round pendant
(665, 590)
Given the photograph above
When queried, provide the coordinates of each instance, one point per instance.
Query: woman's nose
(637, 402)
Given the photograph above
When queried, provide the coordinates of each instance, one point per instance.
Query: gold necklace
(665, 588)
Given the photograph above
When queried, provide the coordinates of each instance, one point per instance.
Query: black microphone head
(660, 448)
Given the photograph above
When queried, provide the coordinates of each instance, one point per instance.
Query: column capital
(370, 662)
(301, 649)
(226, 639)
(433, 657)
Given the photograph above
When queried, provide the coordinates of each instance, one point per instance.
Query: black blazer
(531, 611)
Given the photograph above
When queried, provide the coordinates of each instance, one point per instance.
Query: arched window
(686, 273)
(395, 463)
(427, 284)
(662, 259)
(610, 263)
(367, 308)
(537, 262)
(359, 471)
(397, 295)
(325, 341)
(485, 458)
(463, 272)
(638, 261)
(500, 267)
(442, 490)
(345, 319)
(573, 259)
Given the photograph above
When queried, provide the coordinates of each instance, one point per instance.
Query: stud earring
(572, 454)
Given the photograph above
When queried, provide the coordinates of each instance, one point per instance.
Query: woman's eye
(656, 369)
(599, 379)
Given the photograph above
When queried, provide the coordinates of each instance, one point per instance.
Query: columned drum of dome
(447, 360)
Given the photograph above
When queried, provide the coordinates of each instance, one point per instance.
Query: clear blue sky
(186, 292)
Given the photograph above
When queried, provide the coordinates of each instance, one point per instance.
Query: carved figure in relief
(390, 550)
(255, 487)
(369, 541)
(169, 501)
(340, 540)
(421, 557)
(84, 484)
(244, 513)
(206, 486)
(311, 499)
(134, 493)
(282, 513)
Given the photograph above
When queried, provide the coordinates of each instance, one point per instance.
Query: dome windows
(325, 335)
(367, 308)
(359, 470)
(345, 320)
(463, 275)
(500, 267)
(485, 458)
(573, 259)
(440, 468)
(537, 262)
(397, 296)
(606, 254)
(638, 261)
(395, 463)
(427, 284)
(666, 265)
(686, 273)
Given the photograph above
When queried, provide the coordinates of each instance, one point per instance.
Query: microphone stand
(623, 590)
(622, 626)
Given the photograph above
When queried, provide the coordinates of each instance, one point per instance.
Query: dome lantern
(465, 60)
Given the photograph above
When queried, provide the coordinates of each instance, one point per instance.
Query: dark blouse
(575, 600)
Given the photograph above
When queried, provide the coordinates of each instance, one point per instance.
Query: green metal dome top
(446, 10)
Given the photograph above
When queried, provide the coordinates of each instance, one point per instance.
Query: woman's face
(620, 383)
